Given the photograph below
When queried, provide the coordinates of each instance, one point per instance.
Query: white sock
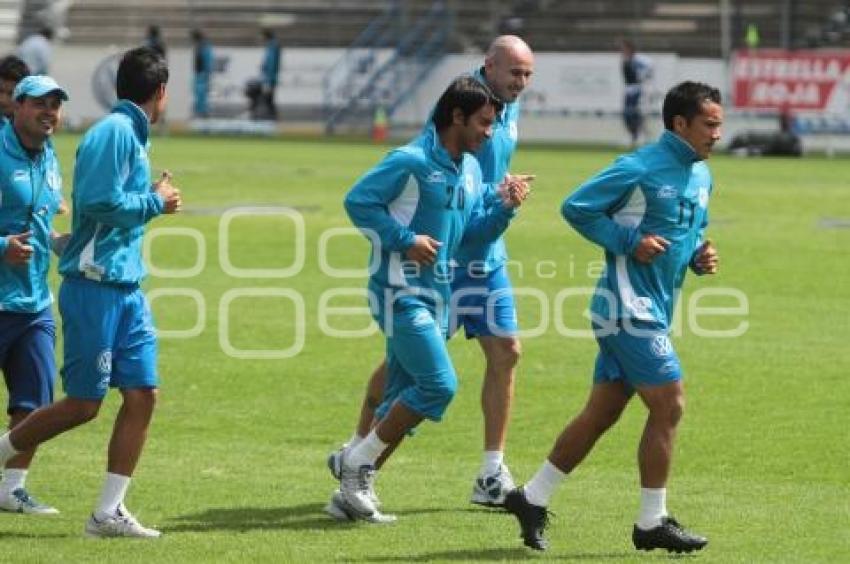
(355, 440)
(653, 506)
(112, 494)
(7, 451)
(13, 479)
(491, 461)
(367, 452)
(539, 490)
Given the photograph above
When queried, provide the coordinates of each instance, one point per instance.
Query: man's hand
(514, 189)
(169, 194)
(706, 260)
(18, 252)
(650, 246)
(424, 250)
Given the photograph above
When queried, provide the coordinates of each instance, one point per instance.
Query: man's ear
(457, 117)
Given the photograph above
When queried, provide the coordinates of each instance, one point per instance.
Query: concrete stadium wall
(572, 98)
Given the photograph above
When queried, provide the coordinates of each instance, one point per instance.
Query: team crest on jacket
(703, 196)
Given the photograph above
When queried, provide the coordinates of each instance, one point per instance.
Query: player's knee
(671, 410)
(82, 411)
(506, 352)
(141, 399)
(443, 390)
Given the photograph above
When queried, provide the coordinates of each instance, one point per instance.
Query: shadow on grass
(308, 516)
(4, 536)
(495, 554)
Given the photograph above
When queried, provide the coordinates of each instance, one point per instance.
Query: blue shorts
(110, 340)
(27, 342)
(483, 304)
(419, 371)
(640, 358)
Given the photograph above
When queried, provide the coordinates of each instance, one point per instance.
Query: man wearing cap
(30, 195)
(109, 336)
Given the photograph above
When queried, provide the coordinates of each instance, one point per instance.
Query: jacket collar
(12, 144)
(680, 148)
(139, 119)
(436, 149)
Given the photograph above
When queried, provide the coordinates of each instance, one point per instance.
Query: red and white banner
(774, 79)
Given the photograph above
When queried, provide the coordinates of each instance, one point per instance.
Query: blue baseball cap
(36, 86)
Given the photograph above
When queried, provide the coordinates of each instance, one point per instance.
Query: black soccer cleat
(669, 535)
(533, 519)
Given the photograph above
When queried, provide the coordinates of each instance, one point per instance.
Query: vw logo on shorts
(104, 362)
(661, 346)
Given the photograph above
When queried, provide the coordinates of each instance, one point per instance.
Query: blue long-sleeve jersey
(112, 199)
(419, 190)
(30, 194)
(271, 63)
(494, 158)
(661, 189)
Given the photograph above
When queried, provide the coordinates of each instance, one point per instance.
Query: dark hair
(466, 94)
(154, 31)
(47, 32)
(686, 100)
(13, 68)
(268, 33)
(140, 74)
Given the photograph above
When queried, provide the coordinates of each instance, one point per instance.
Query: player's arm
(367, 204)
(102, 168)
(704, 259)
(588, 210)
(490, 217)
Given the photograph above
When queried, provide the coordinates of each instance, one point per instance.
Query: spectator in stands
(35, 50)
(203, 73)
(154, 40)
(12, 70)
(269, 71)
(637, 69)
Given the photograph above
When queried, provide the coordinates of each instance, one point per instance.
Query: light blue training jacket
(494, 157)
(30, 194)
(419, 190)
(113, 199)
(661, 189)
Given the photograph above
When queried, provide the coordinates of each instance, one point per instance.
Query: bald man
(482, 296)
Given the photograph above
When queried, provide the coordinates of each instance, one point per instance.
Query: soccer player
(417, 206)
(30, 195)
(269, 69)
(12, 70)
(649, 211)
(637, 69)
(203, 65)
(486, 305)
(110, 340)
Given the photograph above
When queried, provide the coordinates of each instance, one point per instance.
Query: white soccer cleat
(335, 467)
(20, 501)
(335, 462)
(339, 510)
(122, 524)
(354, 485)
(490, 490)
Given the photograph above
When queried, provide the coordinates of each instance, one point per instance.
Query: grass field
(235, 466)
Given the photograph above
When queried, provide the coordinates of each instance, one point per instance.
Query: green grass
(234, 467)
